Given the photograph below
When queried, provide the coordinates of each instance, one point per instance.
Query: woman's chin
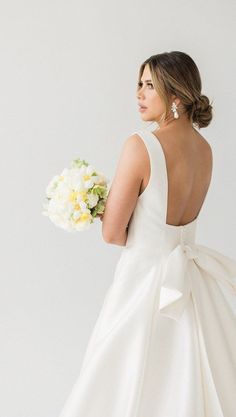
(145, 117)
(143, 114)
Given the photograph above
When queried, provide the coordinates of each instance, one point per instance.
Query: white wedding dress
(164, 343)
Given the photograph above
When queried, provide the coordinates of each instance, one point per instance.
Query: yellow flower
(86, 177)
(83, 195)
(77, 206)
(73, 196)
(83, 217)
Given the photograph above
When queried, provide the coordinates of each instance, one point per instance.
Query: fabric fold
(176, 285)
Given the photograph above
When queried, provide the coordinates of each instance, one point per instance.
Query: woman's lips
(142, 109)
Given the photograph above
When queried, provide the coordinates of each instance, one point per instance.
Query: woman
(164, 344)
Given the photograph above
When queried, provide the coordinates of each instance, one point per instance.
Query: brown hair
(176, 73)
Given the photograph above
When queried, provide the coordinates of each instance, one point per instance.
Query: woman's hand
(100, 215)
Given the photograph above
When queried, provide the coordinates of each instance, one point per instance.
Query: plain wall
(68, 89)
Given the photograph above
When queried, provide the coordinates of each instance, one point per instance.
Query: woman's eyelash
(140, 84)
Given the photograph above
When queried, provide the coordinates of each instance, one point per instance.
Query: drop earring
(174, 109)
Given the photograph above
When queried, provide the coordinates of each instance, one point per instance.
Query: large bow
(176, 286)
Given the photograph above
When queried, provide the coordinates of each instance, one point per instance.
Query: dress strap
(158, 181)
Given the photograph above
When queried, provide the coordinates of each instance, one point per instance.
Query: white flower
(92, 199)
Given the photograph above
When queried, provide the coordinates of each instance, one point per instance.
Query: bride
(164, 343)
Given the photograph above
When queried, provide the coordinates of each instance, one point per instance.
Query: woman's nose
(140, 94)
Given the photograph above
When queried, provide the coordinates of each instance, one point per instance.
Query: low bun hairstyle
(175, 73)
(201, 112)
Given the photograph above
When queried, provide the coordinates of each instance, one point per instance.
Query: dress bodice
(147, 227)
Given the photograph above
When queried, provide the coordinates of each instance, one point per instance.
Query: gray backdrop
(68, 89)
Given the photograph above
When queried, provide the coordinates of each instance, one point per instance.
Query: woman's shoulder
(205, 146)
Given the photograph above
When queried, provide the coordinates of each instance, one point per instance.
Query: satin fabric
(164, 343)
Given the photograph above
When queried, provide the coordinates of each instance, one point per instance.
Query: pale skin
(189, 165)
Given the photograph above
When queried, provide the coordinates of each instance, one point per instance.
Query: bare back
(189, 169)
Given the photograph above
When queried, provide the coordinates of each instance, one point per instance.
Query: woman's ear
(175, 99)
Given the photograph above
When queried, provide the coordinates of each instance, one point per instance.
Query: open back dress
(164, 343)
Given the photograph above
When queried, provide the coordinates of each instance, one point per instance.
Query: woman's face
(149, 98)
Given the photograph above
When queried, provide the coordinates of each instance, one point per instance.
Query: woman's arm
(124, 191)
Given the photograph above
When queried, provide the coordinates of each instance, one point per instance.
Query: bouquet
(76, 196)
